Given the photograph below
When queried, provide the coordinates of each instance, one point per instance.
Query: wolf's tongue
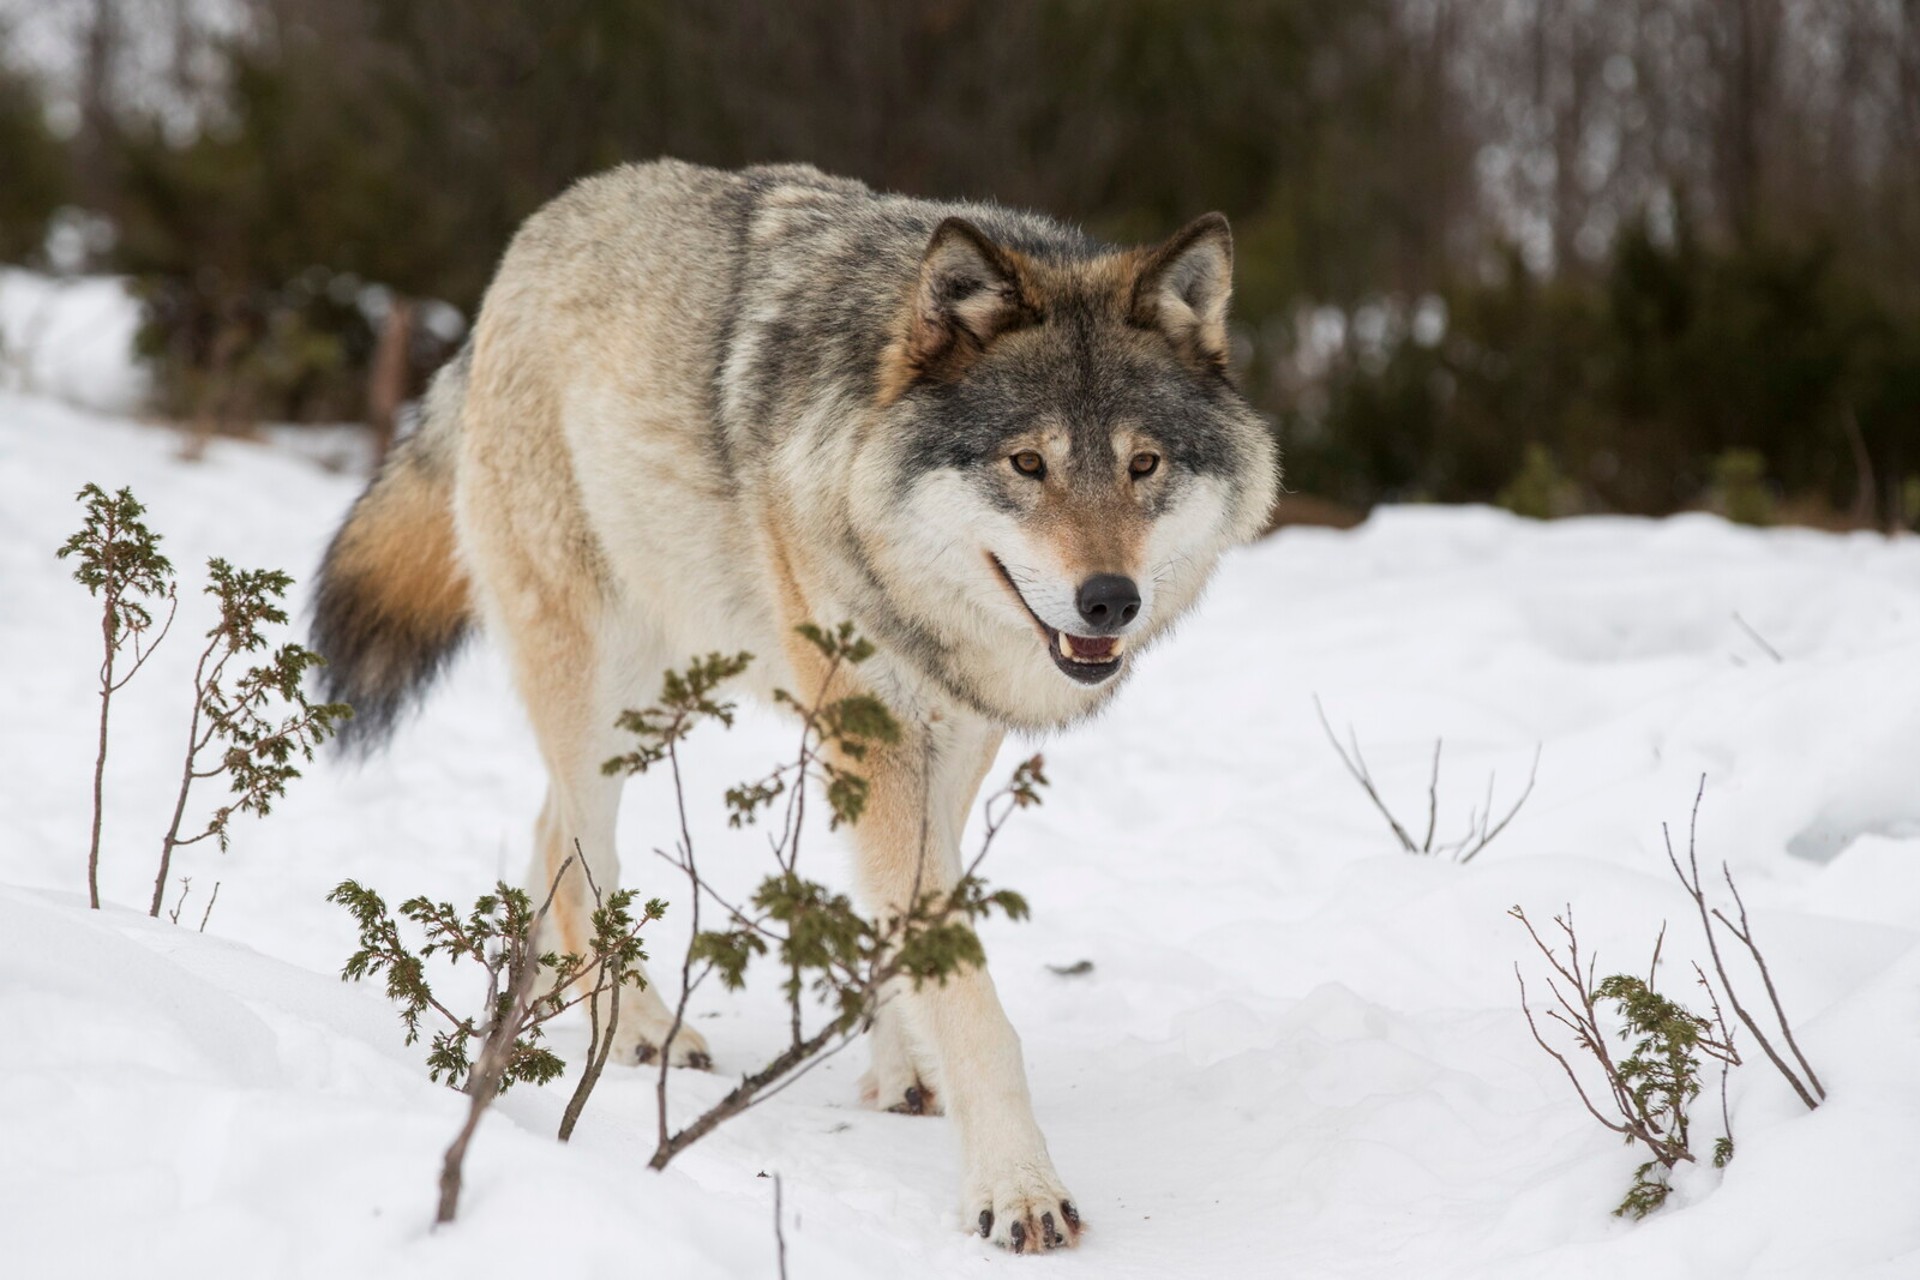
(1089, 648)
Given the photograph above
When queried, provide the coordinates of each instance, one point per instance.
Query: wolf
(700, 408)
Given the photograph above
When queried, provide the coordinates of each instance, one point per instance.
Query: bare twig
(1729, 1058)
(779, 1232)
(1745, 934)
(196, 742)
(600, 1039)
(686, 959)
(1433, 799)
(1478, 835)
(1357, 767)
(1487, 837)
(1690, 881)
(1758, 639)
(208, 913)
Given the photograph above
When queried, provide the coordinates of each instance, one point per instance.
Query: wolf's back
(393, 602)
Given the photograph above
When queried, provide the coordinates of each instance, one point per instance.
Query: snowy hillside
(1298, 1051)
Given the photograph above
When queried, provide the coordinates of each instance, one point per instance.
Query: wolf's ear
(969, 291)
(1183, 289)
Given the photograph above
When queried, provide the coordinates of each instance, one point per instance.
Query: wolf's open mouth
(1087, 659)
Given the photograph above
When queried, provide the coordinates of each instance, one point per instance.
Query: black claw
(916, 1101)
(645, 1053)
(1071, 1214)
(699, 1061)
(986, 1223)
(1053, 1236)
(1019, 1233)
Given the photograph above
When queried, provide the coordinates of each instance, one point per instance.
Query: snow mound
(70, 339)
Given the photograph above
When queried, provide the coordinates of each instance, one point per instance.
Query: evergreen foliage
(36, 181)
(237, 730)
(1680, 374)
(1740, 487)
(499, 934)
(1539, 491)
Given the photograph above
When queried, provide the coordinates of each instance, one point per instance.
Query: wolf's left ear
(1183, 289)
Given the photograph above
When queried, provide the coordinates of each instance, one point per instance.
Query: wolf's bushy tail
(393, 602)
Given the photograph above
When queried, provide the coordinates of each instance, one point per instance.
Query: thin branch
(1560, 1058)
(1357, 767)
(1433, 799)
(208, 913)
(170, 839)
(141, 652)
(599, 1041)
(1478, 835)
(1698, 894)
(1745, 934)
(1758, 639)
(1488, 837)
(779, 1233)
(686, 959)
(1725, 1051)
(741, 1097)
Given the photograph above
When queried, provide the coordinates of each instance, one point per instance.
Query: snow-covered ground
(1298, 1051)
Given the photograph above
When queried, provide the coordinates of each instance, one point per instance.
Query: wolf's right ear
(1184, 287)
(968, 292)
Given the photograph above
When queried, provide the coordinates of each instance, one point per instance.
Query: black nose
(1108, 602)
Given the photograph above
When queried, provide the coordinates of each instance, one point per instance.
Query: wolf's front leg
(908, 840)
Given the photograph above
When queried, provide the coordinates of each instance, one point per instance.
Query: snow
(68, 338)
(1299, 1051)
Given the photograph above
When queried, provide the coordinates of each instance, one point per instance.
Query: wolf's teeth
(1091, 650)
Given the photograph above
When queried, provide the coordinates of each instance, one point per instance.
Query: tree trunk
(388, 380)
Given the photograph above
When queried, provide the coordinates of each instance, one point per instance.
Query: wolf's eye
(1029, 463)
(1144, 464)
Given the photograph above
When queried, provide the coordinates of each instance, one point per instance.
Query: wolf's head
(1060, 458)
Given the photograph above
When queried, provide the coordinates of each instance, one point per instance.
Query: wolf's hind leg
(559, 649)
(585, 814)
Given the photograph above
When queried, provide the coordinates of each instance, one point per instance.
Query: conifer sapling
(120, 562)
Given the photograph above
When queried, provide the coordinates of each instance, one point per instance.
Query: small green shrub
(1539, 490)
(1648, 1092)
(237, 729)
(1740, 491)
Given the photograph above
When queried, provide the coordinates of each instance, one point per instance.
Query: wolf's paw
(914, 1098)
(637, 1045)
(894, 1082)
(1024, 1209)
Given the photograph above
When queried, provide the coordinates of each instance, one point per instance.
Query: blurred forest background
(1568, 255)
